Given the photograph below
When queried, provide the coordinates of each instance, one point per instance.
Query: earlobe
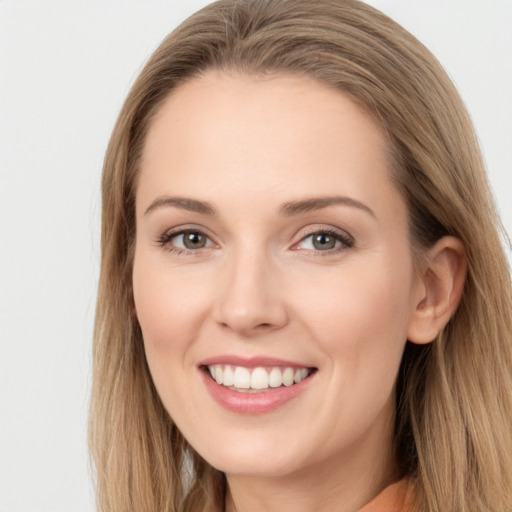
(441, 285)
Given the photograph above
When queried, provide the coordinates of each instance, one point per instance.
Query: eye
(185, 240)
(325, 240)
(190, 240)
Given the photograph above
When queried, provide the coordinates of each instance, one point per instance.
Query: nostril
(254, 317)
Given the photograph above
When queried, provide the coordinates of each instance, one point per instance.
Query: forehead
(224, 134)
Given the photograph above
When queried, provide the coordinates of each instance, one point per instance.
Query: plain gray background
(65, 68)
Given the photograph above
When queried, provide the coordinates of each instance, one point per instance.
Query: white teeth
(259, 378)
(243, 378)
(229, 376)
(219, 374)
(275, 378)
(288, 376)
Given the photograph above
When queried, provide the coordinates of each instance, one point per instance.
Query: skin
(247, 146)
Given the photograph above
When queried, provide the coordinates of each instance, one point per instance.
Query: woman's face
(272, 250)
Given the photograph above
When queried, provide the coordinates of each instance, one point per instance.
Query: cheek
(359, 322)
(170, 311)
(364, 310)
(169, 306)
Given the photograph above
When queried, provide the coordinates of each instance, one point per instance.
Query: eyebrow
(287, 210)
(317, 203)
(184, 203)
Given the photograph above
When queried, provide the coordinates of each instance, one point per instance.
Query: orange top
(398, 497)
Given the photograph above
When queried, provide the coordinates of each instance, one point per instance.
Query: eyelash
(346, 242)
(165, 242)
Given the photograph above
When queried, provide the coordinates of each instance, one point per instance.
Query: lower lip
(253, 403)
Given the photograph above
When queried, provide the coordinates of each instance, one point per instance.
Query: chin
(264, 468)
(254, 457)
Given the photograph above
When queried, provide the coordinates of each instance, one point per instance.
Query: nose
(250, 299)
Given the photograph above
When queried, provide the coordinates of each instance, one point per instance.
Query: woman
(303, 302)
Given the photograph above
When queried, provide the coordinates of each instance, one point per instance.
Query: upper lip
(251, 362)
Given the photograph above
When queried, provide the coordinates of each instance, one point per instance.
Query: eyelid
(346, 239)
(164, 240)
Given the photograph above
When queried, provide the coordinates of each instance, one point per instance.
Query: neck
(344, 483)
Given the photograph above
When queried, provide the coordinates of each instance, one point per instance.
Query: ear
(440, 285)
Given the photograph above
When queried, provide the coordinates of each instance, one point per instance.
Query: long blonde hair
(454, 396)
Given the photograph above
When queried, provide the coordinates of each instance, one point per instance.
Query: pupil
(323, 242)
(194, 240)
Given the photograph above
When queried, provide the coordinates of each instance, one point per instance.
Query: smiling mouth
(256, 380)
